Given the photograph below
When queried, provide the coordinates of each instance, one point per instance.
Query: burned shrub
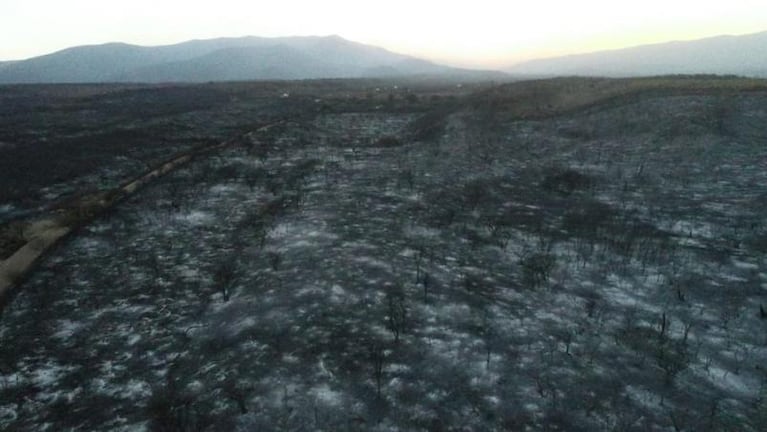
(583, 133)
(275, 259)
(254, 176)
(537, 268)
(758, 242)
(11, 239)
(588, 218)
(388, 141)
(396, 312)
(224, 277)
(226, 172)
(441, 208)
(429, 127)
(173, 408)
(566, 181)
(477, 192)
(671, 355)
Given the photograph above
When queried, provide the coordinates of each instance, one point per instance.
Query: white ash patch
(372, 262)
(135, 427)
(310, 290)
(619, 293)
(222, 189)
(8, 413)
(244, 324)
(290, 358)
(337, 291)
(727, 380)
(645, 398)
(67, 328)
(189, 273)
(133, 339)
(421, 231)
(745, 265)
(196, 218)
(10, 380)
(135, 389)
(325, 395)
(280, 230)
(692, 229)
(733, 278)
(49, 374)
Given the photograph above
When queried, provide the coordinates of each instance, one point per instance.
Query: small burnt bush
(429, 127)
(588, 218)
(224, 277)
(537, 268)
(566, 181)
(388, 141)
(11, 239)
(170, 410)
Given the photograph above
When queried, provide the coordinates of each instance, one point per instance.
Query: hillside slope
(738, 55)
(227, 59)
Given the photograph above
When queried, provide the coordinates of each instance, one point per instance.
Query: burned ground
(597, 269)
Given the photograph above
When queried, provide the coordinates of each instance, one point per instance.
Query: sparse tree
(537, 268)
(396, 312)
(275, 259)
(223, 277)
(378, 361)
(236, 393)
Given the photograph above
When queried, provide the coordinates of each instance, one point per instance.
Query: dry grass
(11, 238)
(18, 264)
(543, 98)
(23, 242)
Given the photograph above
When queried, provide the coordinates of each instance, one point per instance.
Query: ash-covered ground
(361, 268)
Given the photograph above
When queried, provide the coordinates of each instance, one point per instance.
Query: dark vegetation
(570, 254)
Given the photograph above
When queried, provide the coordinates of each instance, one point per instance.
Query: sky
(477, 33)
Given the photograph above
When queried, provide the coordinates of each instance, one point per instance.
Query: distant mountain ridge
(224, 59)
(736, 55)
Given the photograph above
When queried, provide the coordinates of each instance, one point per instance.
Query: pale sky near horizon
(478, 33)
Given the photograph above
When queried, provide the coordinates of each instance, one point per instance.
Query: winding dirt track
(47, 231)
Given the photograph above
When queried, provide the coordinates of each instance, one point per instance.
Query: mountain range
(315, 57)
(225, 59)
(737, 55)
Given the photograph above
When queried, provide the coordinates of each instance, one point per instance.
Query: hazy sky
(469, 33)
